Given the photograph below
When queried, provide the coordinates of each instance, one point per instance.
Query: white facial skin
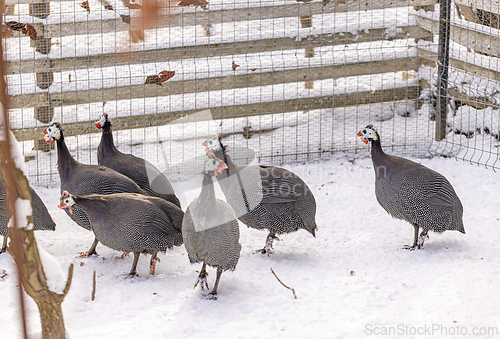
(214, 144)
(369, 134)
(103, 120)
(69, 201)
(54, 132)
(216, 165)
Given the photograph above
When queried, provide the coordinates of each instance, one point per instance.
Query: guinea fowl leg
(421, 239)
(213, 295)
(415, 240)
(4, 246)
(152, 263)
(269, 243)
(133, 270)
(91, 250)
(202, 278)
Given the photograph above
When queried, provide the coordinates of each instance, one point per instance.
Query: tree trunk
(23, 245)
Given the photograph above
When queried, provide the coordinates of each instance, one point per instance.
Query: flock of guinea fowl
(132, 207)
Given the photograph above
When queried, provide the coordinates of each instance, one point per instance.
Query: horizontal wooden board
(204, 51)
(431, 58)
(492, 6)
(235, 111)
(212, 84)
(477, 41)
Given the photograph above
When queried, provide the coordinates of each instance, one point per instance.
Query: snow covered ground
(352, 280)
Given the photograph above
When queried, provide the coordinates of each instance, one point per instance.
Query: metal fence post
(443, 60)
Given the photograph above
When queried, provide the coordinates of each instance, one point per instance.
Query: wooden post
(306, 22)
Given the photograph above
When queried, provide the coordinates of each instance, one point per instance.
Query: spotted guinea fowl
(210, 230)
(148, 177)
(41, 217)
(81, 179)
(413, 192)
(130, 222)
(265, 197)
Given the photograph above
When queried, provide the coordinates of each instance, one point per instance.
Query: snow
(56, 279)
(23, 209)
(450, 283)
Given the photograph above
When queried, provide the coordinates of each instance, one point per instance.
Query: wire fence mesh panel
(290, 81)
(472, 128)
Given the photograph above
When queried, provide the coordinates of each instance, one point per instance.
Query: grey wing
(281, 186)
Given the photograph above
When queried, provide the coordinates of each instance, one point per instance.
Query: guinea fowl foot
(152, 265)
(269, 245)
(410, 248)
(124, 254)
(131, 274)
(86, 254)
(202, 280)
(211, 296)
(420, 241)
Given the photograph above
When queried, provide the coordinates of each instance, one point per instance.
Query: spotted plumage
(130, 222)
(82, 179)
(41, 217)
(265, 197)
(210, 230)
(413, 192)
(143, 173)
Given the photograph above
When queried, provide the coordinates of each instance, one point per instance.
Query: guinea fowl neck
(107, 145)
(377, 148)
(380, 159)
(207, 194)
(65, 162)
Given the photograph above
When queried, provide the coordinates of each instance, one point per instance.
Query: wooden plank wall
(42, 68)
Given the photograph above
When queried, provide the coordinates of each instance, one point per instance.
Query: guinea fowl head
(213, 145)
(103, 122)
(368, 134)
(214, 166)
(66, 200)
(53, 132)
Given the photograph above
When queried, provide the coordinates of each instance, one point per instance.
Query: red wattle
(98, 125)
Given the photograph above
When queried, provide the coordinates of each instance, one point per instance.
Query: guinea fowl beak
(205, 143)
(98, 125)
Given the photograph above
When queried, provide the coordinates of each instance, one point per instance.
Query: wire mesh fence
(292, 81)
(472, 99)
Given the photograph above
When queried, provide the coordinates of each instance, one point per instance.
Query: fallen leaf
(197, 3)
(85, 5)
(125, 18)
(341, 1)
(31, 31)
(26, 29)
(109, 8)
(235, 65)
(134, 6)
(253, 69)
(161, 77)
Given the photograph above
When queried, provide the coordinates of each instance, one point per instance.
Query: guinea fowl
(41, 217)
(210, 230)
(148, 177)
(130, 222)
(265, 197)
(413, 192)
(81, 179)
